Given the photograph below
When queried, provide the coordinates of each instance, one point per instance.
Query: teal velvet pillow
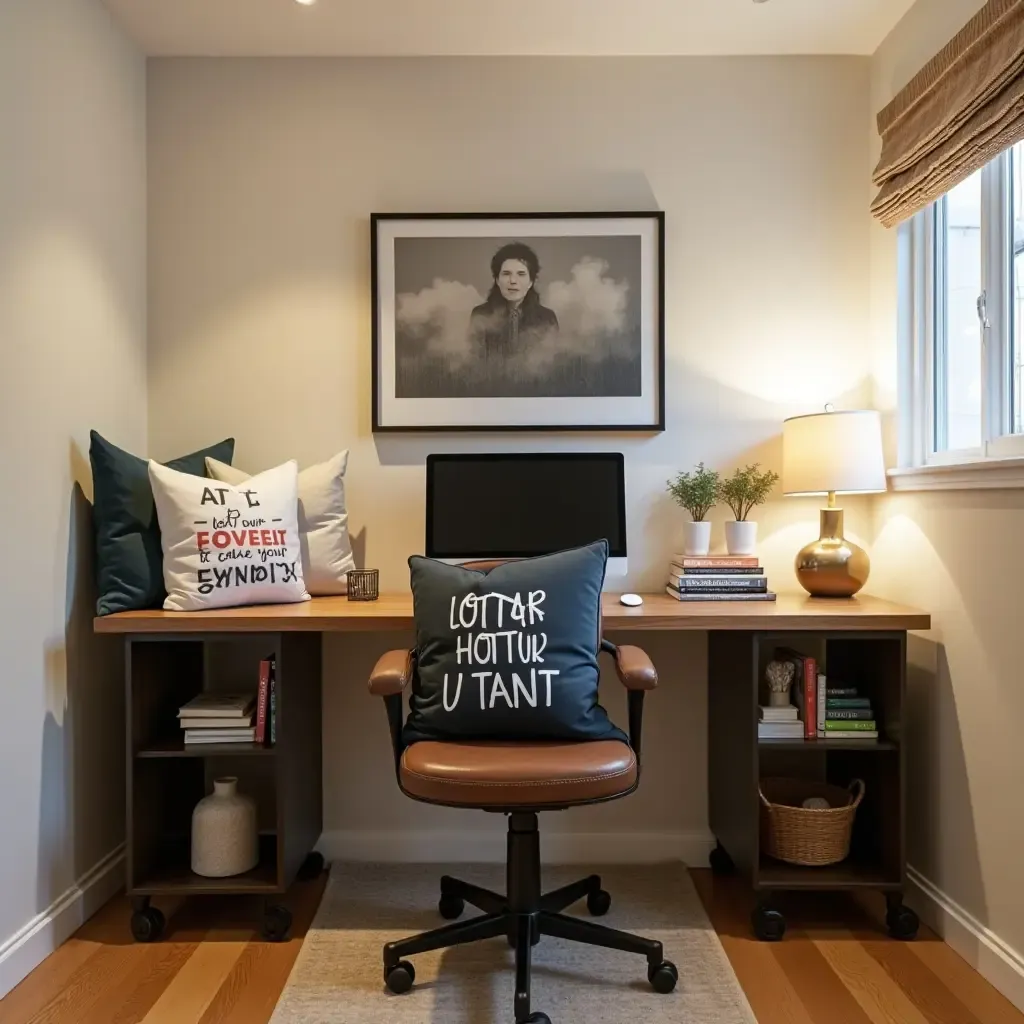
(129, 562)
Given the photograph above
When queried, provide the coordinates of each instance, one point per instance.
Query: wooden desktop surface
(659, 611)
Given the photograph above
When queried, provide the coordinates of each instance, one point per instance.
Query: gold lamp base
(832, 566)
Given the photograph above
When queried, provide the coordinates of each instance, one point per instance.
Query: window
(962, 324)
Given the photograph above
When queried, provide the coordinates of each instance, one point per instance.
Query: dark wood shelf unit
(874, 662)
(166, 779)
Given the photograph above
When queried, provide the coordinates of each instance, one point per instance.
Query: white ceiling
(492, 27)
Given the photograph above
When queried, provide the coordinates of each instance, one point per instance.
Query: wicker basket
(800, 835)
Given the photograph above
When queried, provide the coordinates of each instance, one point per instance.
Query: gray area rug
(338, 976)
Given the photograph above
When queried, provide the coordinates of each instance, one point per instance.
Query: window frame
(920, 319)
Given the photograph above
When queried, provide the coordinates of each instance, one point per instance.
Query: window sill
(975, 475)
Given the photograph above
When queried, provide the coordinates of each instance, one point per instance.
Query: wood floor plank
(769, 991)
(879, 996)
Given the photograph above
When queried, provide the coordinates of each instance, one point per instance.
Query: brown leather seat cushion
(496, 774)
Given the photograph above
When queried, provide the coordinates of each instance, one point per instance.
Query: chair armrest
(392, 673)
(635, 669)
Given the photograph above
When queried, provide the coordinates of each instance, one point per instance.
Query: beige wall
(72, 324)
(262, 178)
(956, 554)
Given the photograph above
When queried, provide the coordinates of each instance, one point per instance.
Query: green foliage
(747, 488)
(697, 492)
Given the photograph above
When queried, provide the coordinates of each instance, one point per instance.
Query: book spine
(679, 570)
(810, 694)
(261, 701)
(715, 563)
(845, 703)
(862, 726)
(853, 714)
(686, 583)
(841, 691)
(711, 595)
(847, 734)
(821, 703)
(273, 704)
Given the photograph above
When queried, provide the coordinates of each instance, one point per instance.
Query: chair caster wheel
(599, 903)
(399, 979)
(312, 867)
(148, 924)
(451, 907)
(538, 1018)
(902, 922)
(663, 977)
(720, 861)
(769, 925)
(276, 922)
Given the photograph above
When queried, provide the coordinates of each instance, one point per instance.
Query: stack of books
(717, 578)
(848, 716)
(780, 723)
(219, 718)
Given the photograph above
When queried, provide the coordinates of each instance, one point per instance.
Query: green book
(857, 726)
(843, 703)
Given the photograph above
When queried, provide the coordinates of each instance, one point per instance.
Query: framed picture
(536, 321)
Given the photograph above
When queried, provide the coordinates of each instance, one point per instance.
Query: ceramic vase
(696, 539)
(224, 840)
(741, 537)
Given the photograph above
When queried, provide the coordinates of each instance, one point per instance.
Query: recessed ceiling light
(306, 3)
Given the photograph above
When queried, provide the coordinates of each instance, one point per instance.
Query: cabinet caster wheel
(538, 1018)
(599, 903)
(902, 922)
(769, 925)
(720, 861)
(276, 922)
(451, 907)
(400, 978)
(312, 867)
(148, 924)
(663, 976)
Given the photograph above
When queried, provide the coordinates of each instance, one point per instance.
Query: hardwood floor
(197, 974)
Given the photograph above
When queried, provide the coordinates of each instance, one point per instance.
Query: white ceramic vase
(696, 539)
(741, 537)
(224, 840)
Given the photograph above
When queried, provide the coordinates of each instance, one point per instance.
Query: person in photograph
(512, 318)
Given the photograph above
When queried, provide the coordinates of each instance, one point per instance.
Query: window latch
(983, 311)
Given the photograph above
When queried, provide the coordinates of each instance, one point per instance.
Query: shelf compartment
(174, 746)
(849, 874)
(172, 874)
(827, 744)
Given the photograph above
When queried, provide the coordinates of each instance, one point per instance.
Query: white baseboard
(31, 945)
(487, 846)
(989, 955)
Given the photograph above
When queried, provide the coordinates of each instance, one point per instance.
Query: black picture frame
(654, 424)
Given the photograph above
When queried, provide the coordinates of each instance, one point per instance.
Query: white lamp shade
(833, 451)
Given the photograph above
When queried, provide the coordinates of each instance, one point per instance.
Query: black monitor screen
(516, 506)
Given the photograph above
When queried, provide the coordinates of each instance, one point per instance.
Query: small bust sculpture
(780, 678)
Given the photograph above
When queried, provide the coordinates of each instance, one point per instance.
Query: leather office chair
(519, 780)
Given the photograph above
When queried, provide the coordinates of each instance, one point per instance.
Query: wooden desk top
(659, 611)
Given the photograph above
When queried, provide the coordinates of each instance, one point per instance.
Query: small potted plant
(742, 492)
(697, 492)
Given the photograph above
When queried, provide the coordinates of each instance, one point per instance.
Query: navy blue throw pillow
(129, 561)
(509, 654)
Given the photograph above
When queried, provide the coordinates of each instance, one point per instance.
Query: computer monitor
(518, 506)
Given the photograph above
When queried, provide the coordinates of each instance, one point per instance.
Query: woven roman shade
(964, 108)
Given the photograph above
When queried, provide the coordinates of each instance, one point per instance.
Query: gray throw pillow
(511, 653)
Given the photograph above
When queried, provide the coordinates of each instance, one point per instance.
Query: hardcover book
(687, 583)
(715, 562)
(846, 703)
(711, 595)
(867, 725)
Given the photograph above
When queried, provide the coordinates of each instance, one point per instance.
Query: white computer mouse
(633, 600)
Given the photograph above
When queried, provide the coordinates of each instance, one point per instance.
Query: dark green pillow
(129, 562)
(509, 654)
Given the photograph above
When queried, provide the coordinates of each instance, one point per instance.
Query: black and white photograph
(518, 322)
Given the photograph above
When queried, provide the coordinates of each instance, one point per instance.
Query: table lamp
(829, 453)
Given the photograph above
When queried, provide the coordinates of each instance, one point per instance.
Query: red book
(717, 562)
(261, 702)
(810, 695)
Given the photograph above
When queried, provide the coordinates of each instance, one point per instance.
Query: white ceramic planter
(224, 839)
(741, 538)
(696, 539)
